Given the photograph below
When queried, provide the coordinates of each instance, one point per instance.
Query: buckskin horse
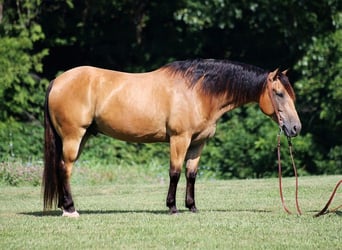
(179, 103)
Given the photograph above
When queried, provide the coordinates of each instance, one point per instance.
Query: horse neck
(246, 93)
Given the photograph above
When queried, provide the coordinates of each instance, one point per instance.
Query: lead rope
(325, 210)
(280, 176)
(295, 173)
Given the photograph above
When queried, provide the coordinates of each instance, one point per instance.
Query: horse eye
(280, 94)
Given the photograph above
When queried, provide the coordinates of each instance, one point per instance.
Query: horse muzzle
(292, 130)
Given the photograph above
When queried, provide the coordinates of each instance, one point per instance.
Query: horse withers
(179, 103)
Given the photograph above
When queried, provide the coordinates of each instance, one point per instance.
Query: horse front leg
(178, 149)
(192, 160)
(171, 195)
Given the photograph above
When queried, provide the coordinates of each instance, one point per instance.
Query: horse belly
(132, 130)
(132, 121)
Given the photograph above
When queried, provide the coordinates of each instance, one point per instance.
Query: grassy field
(235, 214)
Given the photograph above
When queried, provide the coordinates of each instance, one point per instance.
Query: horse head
(277, 101)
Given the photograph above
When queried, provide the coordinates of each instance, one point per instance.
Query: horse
(179, 103)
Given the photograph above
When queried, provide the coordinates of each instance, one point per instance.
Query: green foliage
(321, 85)
(320, 91)
(256, 31)
(20, 141)
(21, 88)
(39, 38)
(112, 151)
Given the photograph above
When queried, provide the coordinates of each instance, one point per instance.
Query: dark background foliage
(41, 38)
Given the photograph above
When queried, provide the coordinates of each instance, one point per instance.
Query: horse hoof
(193, 210)
(74, 214)
(173, 211)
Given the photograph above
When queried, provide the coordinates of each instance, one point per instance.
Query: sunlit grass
(237, 214)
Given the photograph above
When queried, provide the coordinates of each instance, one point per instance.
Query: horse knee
(174, 176)
(191, 176)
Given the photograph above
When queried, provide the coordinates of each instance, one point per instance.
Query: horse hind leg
(192, 160)
(71, 151)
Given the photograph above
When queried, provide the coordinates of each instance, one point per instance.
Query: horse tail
(52, 158)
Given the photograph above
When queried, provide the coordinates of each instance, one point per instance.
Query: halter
(276, 111)
(325, 210)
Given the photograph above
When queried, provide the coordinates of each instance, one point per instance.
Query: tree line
(41, 38)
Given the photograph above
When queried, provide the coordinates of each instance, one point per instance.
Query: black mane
(241, 81)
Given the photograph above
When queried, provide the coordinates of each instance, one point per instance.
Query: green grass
(235, 214)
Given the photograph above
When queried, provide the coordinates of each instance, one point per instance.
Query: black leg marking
(171, 196)
(190, 191)
(65, 200)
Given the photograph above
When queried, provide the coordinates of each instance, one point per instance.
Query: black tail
(52, 158)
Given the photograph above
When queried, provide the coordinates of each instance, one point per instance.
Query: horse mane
(242, 82)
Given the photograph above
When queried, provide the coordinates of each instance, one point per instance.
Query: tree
(320, 89)
(128, 35)
(21, 88)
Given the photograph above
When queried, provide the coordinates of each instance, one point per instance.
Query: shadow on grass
(56, 213)
(41, 213)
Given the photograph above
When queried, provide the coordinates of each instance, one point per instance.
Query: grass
(235, 214)
(14, 172)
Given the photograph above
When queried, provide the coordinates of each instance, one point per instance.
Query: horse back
(131, 107)
(137, 107)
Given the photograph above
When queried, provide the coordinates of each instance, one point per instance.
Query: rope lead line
(280, 177)
(325, 210)
(295, 173)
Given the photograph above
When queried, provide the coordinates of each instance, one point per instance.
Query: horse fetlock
(190, 203)
(67, 205)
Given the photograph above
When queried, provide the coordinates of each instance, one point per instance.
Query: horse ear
(273, 75)
(285, 71)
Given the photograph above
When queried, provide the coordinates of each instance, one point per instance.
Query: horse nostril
(294, 129)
